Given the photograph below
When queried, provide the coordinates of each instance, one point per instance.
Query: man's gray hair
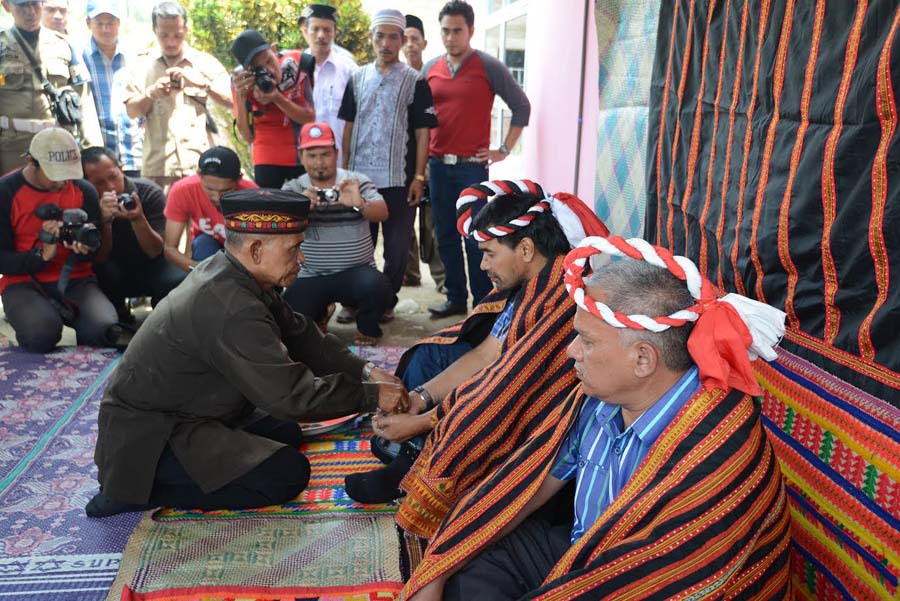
(636, 287)
(236, 240)
(168, 10)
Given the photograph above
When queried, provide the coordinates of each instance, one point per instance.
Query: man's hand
(350, 196)
(313, 195)
(161, 88)
(433, 591)
(416, 192)
(78, 248)
(137, 212)
(109, 207)
(187, 76)
(396, 428)
(243, 83)
(49, 250)
(488, 156)
(392, 397)
(379, 375)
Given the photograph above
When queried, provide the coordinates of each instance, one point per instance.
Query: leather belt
(453, 159)
(26, 125)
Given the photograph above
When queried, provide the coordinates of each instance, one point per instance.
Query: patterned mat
(262, 559)
(48, 421)
(331, 456)
(839, 450)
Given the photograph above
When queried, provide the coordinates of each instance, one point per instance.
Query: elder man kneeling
(202, 411)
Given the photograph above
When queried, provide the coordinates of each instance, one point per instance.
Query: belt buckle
(450, 159)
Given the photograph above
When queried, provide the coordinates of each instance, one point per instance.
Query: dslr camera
(328, 195)
(75, 227)
(126, 202)
(264, 81)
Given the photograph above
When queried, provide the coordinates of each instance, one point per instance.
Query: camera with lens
(328, 195)
(264, 81)
(127, 202)
(75, 227)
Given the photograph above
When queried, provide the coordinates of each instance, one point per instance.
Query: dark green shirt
(215, 349)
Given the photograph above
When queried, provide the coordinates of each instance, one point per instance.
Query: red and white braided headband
(729, 332)
(573, 216)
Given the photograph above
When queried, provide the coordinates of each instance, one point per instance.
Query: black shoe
(381, 486)
(102, 506)
(447, 309)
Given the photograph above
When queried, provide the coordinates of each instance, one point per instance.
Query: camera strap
(48, 89)
(68, 310)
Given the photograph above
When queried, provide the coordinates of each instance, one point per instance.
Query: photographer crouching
(273, 97)
(48, 236)
(133, 227)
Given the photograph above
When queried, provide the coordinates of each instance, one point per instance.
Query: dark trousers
(204, 246)
(276, 480)
(397, 233)
(38, 323)
(514, 565)
(446, 184)
(363, 287)
(155, 279)
(274, 176)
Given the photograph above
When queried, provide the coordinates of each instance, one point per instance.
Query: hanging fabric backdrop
(773, 161)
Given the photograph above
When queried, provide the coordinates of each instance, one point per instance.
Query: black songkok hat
(265, 211)
(414, 21)
(319, 11)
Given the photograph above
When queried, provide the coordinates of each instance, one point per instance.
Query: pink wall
(553, 63)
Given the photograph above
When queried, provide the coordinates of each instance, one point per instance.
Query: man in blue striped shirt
(106, 63)
(637, 381)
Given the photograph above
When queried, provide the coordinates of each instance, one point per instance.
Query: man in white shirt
(318, 22)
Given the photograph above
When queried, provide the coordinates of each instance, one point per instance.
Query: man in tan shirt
(172, 90)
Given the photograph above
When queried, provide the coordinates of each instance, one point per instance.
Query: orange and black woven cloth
(490, 415)
(704, 515)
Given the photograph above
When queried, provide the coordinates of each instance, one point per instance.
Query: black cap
(414, 21)
(247, 45)
(319, 11)
(265, 211)
(220, 162)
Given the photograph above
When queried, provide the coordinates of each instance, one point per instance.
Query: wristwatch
(367, 370)
(419, 177)
(426, 396)
(503, 149)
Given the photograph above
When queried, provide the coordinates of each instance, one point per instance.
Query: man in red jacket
(48, 280)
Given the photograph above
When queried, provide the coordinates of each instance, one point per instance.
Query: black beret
(265, 211)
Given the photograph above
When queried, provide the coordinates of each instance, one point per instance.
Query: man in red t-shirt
(271, 119)
(196, 199)
(38, 296)
(463, 83)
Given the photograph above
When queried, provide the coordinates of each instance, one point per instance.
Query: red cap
(316, 134)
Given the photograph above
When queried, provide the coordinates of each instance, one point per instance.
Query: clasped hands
(397, 408)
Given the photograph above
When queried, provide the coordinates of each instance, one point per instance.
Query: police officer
(24, 107)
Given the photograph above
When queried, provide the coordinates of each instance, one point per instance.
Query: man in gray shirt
(340, 256)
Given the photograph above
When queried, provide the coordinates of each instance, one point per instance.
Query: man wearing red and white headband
(677, 490)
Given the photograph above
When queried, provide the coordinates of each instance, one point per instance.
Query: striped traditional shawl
(704, 516)
(491, 414)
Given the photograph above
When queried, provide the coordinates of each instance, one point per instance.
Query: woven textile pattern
(839, 450)
(331, 456)
(625, 30)
(49, 550)
(235, 593)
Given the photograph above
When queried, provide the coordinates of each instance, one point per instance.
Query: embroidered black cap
(319, 11)
(265, 211)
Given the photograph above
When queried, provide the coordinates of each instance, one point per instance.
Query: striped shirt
(121, 134)
(501, 325)
(602, 458)
(338, 238)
